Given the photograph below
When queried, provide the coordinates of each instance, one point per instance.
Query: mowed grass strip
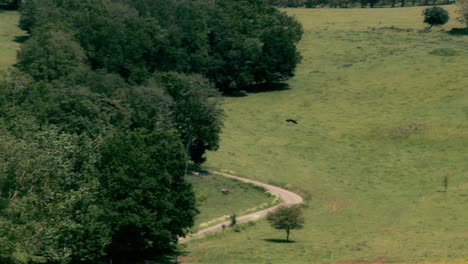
(9, 34)
(216, 206)
(382, 111)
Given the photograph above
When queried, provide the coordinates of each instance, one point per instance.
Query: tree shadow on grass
(175, 257)
(258, 88)
(267, 87)
(458, 31)
(279, 241)
(21, 39)
(198, 171)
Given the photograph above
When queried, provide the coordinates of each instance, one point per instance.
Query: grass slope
(9, 31)
(216, 207)
(382, 109)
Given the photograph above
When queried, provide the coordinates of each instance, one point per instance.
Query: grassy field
(382, 111)
(8, 33)
(216, 207)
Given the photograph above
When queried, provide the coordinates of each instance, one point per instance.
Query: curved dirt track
(286, 196)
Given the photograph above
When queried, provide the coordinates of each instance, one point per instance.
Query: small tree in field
(286, 218)
(435, 16)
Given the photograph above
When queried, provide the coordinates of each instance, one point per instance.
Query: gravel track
(287, 197)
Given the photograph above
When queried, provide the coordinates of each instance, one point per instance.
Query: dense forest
(108, 103)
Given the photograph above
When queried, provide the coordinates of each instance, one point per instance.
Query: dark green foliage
(148, 200)
(232, 43)
(151, 108)
(286, 217)
(9, 5)
(51, 55)
(251, 44)
(196, 113)
(233, 220)
(435, 16)
(109, 102)
(51, 176)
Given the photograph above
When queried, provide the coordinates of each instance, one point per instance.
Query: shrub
(233, 219)
(435, 16)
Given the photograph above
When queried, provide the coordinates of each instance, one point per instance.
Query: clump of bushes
(435, 16)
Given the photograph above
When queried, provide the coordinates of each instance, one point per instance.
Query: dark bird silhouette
(291, 120)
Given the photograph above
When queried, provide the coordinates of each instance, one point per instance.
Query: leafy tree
(196, 112)
(150, 107)
(117, 39)
(51, 55)
(148, 201)
(51, 177)
(232, 43)
(252, 42)
(286, 218)
(435, 16)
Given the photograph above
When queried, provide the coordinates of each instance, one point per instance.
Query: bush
(435, 16)
(233, 219)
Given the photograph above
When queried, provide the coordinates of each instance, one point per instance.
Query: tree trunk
(287, 235)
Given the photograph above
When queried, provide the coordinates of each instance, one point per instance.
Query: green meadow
(9, 32)
(382, 112)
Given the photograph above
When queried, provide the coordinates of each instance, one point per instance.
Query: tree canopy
(109, 102)
(435, 16)
(232, 43)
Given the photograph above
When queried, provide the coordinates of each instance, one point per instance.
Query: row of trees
(234, 44)
(109, 101)
(87, 177)
(358, 3)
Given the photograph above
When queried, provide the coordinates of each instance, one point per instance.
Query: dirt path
(286, 196)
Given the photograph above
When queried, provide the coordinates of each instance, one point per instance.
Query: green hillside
(382, 111)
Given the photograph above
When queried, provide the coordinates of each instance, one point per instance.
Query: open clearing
(382, 111)
(9, 32)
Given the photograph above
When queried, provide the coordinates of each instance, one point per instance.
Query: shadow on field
(258, 88)
(21, 39)
(267, 87)
(177, 257)
(197, 171)
(279, 241)
(458, 31)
